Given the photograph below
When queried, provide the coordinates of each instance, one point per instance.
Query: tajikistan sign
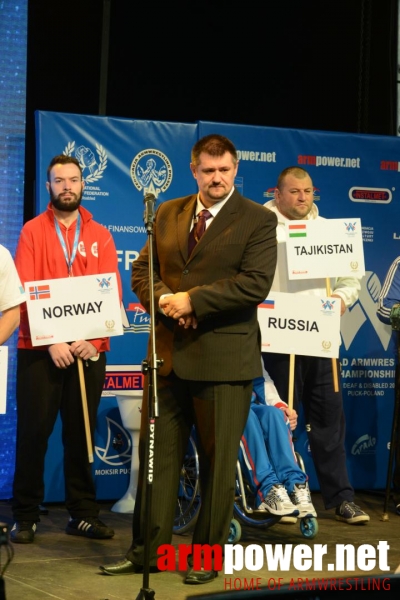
(324, 248)
(73, 308)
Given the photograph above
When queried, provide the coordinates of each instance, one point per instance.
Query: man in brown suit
(207, 335)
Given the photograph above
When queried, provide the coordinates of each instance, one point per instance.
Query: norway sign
(73, 308)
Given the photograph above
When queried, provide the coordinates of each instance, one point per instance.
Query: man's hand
(62, 355)
(83, 349)
(342, 304)
(189, 321)
(292, 416)
(176, 305)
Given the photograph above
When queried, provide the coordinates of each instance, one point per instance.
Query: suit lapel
(184, 222)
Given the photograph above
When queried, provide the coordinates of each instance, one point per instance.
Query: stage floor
(62, 567)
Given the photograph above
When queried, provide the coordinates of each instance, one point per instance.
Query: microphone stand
(149, 368)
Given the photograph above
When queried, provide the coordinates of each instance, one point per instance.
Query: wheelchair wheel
(188, 502)
(235, 531)
(309, 527)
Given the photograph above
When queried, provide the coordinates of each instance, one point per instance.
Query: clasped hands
(179, 307)
(63, 354)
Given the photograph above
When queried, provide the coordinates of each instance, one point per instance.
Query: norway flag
(39, 292)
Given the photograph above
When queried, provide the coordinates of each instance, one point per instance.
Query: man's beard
(69, 206)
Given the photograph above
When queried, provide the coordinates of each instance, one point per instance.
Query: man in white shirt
(313, 384)
(11, 295)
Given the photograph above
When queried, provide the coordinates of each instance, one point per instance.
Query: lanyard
(69, 260)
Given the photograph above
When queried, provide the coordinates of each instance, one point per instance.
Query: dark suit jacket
(229, 273)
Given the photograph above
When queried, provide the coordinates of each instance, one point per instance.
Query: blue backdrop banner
(354, 176)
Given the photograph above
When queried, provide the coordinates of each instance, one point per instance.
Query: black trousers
(43, 391)
(323, 410)
(219, 412)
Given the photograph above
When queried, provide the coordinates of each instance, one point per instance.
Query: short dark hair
(62, 159)
(298, 172)
(214, 145)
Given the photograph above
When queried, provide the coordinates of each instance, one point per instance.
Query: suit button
(186, 271)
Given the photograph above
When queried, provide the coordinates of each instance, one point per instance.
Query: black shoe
(348, 512)
(196, 577)
(23, 532)
(90, 527)
(125, 567)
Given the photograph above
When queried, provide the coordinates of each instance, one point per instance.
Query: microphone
(149, 203)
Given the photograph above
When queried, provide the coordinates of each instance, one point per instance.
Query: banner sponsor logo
(370, 195)
(330, 161)
(364, 445)
(92, 166)
(135, 319)
(256, 156)
(151, 171)
(270, 193)
(390, 165)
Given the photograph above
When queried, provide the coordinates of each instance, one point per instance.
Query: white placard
(300, 324)
(324, 248)
(73, 308)
(3, 378)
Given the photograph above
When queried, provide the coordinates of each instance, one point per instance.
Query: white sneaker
(301, 498)
(277, 502)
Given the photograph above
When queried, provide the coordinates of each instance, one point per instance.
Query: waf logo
(104, 282)
(328, 304)
(350, 227)
(39, 292)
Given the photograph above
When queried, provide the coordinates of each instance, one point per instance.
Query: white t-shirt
(11, 291)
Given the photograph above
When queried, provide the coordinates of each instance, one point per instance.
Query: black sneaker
(90, 527)
(23, 532)
(351, 513)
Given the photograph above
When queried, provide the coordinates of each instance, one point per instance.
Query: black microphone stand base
(145, 593)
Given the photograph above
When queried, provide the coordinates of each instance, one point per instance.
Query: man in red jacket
(63, 241)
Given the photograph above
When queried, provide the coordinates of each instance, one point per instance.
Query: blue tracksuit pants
(266, 452)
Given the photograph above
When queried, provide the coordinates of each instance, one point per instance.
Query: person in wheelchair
(267, 455)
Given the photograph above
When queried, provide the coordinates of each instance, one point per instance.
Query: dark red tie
(198, 229)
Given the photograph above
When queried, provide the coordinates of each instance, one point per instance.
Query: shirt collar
(215, 208)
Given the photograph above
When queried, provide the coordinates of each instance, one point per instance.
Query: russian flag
(298, 230)
(39, 292)
(267, 304)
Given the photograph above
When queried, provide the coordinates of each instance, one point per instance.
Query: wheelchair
(244, 510)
